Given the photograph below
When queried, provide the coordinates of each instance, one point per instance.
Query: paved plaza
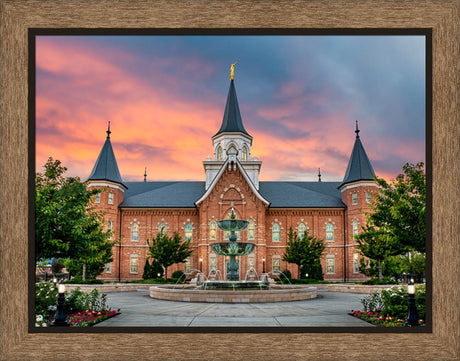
(330, 309)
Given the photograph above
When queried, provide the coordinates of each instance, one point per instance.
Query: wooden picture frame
(15, 135)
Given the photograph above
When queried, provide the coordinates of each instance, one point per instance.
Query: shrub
(79, 280)
(78, 300)
(376, 281)
(46, 295)
(177, 274)
(287, 273)
(393, 302)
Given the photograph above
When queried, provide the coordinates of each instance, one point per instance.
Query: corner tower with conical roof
(357, 188)
(232, 134)
(106, 177)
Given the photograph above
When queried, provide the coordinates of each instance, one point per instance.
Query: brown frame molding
(443, 17)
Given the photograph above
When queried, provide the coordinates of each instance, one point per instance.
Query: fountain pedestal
(232, 248)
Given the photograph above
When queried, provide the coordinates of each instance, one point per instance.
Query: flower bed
(89, 318)
(83, 309)
(378, 319)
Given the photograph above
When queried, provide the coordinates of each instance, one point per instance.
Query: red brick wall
(232, 189)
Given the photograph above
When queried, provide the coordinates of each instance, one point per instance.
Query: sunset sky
(299, 97)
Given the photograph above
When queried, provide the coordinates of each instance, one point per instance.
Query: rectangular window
(98, 198)
(108, 267)
(188, 265)
(110, 198)
(251, 230)
(355, 227)
(276, 265)
(330, 265)
(368, 198)
(354, 198)
(133, 263)
(356, 262)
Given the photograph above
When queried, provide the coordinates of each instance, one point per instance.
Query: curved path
(330, 309)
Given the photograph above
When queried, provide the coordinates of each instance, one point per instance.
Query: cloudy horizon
(299, 97)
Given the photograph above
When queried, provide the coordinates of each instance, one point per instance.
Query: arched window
(355, 227)
(188, 232)
(276, 232)
(162, 228)
(244, 153)
(109, 228)
(135, 232)
(220, 153)
(133, 263)
(251, 230)
(302, 229)
(212, 229)
(329, 232)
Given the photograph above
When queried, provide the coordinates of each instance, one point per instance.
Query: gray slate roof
(359, 165)
(106, 167)
(232, 118)
(185, 194)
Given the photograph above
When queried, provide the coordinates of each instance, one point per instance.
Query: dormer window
(220, 153)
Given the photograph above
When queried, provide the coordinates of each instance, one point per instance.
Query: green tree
(169, 250)
(400, 206)
(396, 223)
(305, 252)
(376, 244)
(66, 225)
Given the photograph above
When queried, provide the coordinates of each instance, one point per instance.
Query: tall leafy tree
(66, 225)
(169, 250)
(377, 245)
(305, 252)
(396, 223)
(400, 206)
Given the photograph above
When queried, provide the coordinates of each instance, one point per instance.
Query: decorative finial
(232, 69)
(145, 175)
(319, 174)
(232, 216)
(357, 130)
(108, 130)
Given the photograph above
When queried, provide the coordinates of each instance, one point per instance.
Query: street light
(263, 264)
(60, 317)
(412, 316)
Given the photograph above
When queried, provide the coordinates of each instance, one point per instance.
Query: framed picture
(18, 138)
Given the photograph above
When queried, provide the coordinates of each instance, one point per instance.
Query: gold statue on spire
(232, 69)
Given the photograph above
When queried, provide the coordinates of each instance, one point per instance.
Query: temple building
(137, 211)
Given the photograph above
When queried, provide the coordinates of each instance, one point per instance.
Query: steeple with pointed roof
(232, 134)
(106, 167)
(359, 166)
(232, 118)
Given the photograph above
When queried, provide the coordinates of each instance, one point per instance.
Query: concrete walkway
(330, 309)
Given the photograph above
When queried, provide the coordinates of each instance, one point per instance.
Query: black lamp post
(412, 316)
(263, 264)
(60, 314)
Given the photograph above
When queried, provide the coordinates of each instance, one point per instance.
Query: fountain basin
(233, 285)
(278, 293)
(232, 224)
(232, 248)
